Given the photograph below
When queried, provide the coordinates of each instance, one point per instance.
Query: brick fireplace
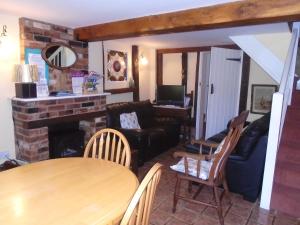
(32, 117)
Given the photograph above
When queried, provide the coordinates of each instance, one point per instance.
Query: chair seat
(192, 168)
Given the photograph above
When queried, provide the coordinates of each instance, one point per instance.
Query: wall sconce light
(3, 32)
(143, 60)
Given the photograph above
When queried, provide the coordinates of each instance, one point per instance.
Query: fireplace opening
(65, 140)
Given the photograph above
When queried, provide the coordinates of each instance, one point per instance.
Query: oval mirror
(59, 55)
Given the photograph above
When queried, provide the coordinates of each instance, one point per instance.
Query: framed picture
(116, 66)
(261, 98)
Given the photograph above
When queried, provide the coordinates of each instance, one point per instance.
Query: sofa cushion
(251, 135)
(192, 168)
(129, 121)
(205, 165)
(113, 112)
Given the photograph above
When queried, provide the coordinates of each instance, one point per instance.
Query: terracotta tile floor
(240, 212)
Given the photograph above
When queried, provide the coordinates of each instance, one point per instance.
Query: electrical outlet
(4, 154)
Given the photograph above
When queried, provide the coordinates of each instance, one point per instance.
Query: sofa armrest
(244, 176)
(137, 138)
(132, 131)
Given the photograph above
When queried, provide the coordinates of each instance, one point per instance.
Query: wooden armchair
(109, 144)
(192, 167)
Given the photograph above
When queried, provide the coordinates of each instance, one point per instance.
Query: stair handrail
(287, 81)
(280, 102)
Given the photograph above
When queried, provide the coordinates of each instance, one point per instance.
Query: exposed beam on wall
(194, 49)
(135, 72)
(241, 13)
(184, 69)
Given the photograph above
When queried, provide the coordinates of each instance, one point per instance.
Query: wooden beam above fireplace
(241, 13)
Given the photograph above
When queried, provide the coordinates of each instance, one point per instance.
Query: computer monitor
(170, 95)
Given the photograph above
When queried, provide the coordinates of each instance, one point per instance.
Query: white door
(224, 89)
(203, 79)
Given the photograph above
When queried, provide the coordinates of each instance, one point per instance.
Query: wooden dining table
(66, 191)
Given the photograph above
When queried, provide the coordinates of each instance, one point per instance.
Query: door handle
(212, 88)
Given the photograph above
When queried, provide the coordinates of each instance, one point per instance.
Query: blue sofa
(245, 166)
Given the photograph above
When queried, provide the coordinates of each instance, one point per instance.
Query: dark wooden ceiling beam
(241, 13)
(194, 49)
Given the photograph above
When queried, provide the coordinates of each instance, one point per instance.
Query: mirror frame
(55, 44)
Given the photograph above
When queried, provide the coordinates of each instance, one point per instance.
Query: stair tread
(286, 199)
(291, 191)
(288, 166)
(289, 156)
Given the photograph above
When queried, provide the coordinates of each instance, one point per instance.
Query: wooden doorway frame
(159, 70)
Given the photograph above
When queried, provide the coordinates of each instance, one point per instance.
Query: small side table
(183, 114)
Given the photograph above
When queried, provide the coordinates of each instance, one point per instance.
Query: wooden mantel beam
(241, 13)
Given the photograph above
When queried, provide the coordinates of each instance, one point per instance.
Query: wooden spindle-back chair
(139, 209)
(216, 175)
(109, 144)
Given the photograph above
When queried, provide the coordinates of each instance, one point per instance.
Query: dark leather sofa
(156, 134)
(245, 166)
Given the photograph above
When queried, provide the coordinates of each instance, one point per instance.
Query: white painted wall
(152, 58)
(257, 76)
(124, 97)
(192, 63)
(9, 56)
(147, 74)
(172, 69)
(95, 61)
(278, 44)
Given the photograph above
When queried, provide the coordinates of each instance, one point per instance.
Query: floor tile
(286, 220)
(174, 221)
(262, 218)
(204, 220)
(240, 212)
(159, 217)
(232, 219)
(186, 215)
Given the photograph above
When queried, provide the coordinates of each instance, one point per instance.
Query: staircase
(286, 186)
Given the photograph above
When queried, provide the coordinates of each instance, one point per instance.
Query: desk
(183, 114)
(66, 191)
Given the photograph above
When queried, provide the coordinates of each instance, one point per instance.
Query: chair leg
(219, 206)
(190, 187)
(198, 191)
(226, 189)
(176, 193)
